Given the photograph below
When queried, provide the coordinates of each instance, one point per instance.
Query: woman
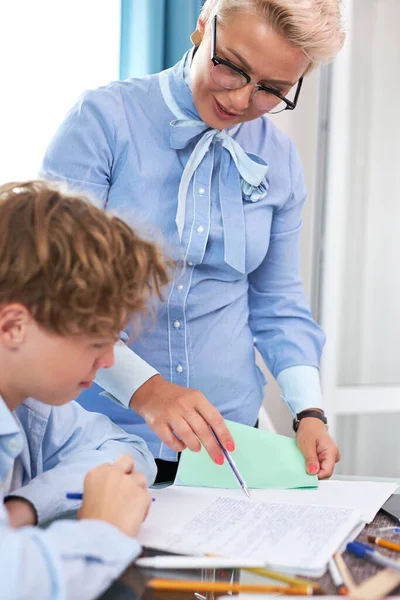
(190, 152)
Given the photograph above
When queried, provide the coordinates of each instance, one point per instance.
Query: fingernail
(312, 469)
(230, 446)
(219, 460)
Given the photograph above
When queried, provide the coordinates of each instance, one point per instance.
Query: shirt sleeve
(127, 375)
(301, 388)
(68, 560)
(82, 155)
(75, 441)
(280, 319)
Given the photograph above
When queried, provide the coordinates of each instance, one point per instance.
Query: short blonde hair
(312, 26)
(76, 268)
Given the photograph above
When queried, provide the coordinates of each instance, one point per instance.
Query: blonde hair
(312, 26)
(76, 268)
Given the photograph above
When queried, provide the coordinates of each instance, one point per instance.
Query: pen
(388, 529)
(79, 496)
(232, 465)
(196, 562)
(365, 551)
(337, 578)
(219, 586)
(384, 543)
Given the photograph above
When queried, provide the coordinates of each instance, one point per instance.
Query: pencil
(384, 543)
(282, 577)
(220, 586)
(344, 571)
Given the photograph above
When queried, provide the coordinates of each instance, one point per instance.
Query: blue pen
(78, 496)
(232, 465)
(367, 552)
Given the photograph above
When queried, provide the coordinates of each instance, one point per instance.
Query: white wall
(51, 50)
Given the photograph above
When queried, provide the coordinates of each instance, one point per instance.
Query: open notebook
(289, 535)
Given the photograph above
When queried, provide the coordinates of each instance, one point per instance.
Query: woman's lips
(222, 112)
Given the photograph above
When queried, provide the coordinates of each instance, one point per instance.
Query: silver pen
(232, 465)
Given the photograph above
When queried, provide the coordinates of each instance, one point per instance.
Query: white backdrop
(51, 51)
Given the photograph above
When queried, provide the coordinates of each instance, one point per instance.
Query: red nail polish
(219, 460)
(312, 469)
(230, 446)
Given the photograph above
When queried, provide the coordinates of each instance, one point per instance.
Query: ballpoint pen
(391, 530)
(79, 496)
(365, 551)
(232, 465)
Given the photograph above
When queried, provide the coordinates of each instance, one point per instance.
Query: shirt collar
(8, 423)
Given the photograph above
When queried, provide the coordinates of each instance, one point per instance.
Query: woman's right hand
(114, 493)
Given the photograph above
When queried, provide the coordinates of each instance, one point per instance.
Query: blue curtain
(155, 34)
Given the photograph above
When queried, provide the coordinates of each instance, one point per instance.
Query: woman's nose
(241, 98)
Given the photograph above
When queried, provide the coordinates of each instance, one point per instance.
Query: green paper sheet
(266, 460)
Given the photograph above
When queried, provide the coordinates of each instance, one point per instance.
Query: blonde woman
(191, 152)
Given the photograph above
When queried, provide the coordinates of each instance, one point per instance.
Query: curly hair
(76, 268)
(313, 26)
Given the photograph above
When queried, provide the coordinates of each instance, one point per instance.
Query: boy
(70, 276)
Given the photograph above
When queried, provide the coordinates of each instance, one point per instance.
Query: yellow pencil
(220, 586)
(282, 577)
(384, 543)
(344, 571)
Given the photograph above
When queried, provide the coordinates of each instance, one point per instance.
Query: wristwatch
(309, 413)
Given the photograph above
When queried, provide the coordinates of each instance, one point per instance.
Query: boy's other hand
(116, 494)
(182, 417)
(21, 512)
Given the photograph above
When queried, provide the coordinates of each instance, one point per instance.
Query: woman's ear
(198, 33)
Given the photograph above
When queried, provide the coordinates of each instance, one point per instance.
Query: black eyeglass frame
(216, 60)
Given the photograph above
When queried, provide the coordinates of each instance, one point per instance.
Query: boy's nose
(107, 359)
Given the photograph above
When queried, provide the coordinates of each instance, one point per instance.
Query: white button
(179, 287)
(201, 191)
(177, 324)
(190, 263)
(13, 444)
(179, 369)
(200, 229)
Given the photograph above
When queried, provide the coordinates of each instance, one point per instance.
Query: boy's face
(47, 366)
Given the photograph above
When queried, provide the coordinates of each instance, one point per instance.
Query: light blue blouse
(228, 206)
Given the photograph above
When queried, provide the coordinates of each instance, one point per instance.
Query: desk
(132, 584)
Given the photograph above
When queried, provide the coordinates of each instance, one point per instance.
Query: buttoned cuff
(127, 375)
(301, 388)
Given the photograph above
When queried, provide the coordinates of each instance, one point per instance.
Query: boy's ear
(14, 319)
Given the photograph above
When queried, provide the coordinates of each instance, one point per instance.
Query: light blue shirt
(228, 206)
(57, 446)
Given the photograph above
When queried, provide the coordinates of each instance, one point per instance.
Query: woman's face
(255, 48)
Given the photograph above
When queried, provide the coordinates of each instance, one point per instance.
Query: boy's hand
(116, 494)
(181, 417)
(21, 512)
(319, 449)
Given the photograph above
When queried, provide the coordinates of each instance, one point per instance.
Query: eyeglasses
(229, 76)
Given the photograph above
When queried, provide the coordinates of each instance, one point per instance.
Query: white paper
(365, 496)
(294, 538)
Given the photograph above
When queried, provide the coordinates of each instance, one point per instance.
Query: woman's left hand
(319, 449)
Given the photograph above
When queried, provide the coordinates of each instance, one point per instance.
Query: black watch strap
(309, 413)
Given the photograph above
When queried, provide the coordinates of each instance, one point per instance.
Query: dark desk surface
(132, 584)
